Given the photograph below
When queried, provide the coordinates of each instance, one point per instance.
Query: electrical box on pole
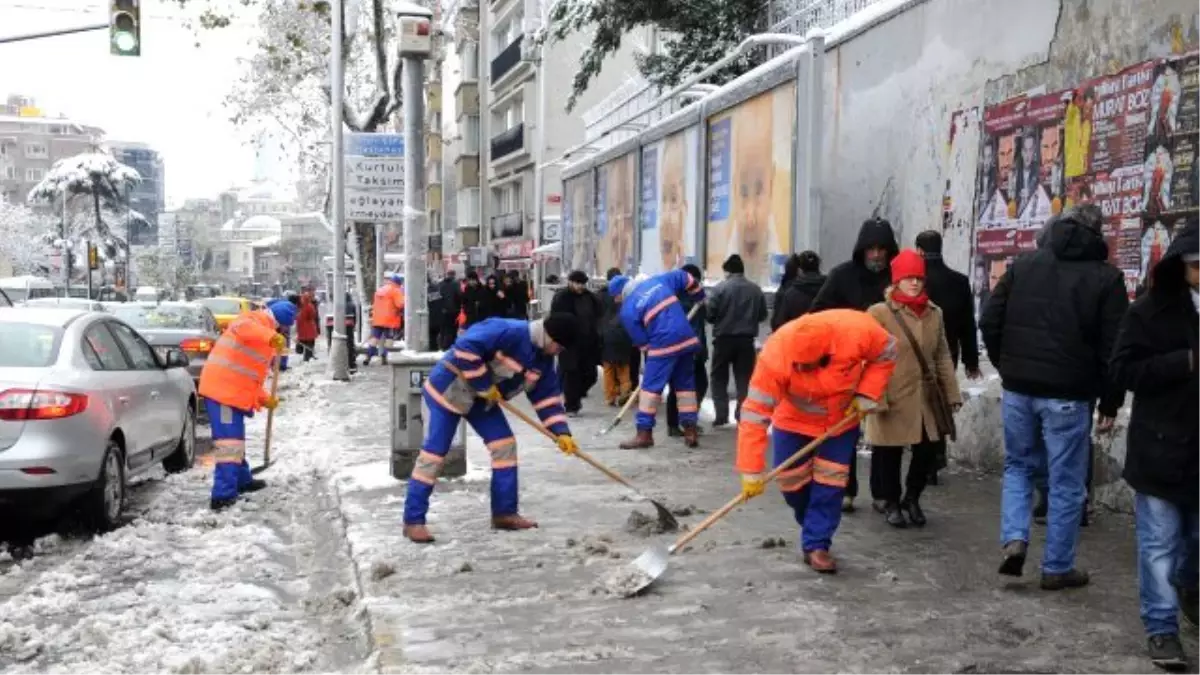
(125, 27)
(93, 257)
(416, 30)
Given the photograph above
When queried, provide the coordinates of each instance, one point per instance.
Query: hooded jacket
(851, 285)
(796, 298)
(1155, 358)
(1052, 319)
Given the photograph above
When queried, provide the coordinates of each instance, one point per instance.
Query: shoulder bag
(943, 415)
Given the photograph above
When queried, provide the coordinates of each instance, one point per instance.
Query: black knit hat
(734, 265)
(562, 328)
(578, 276)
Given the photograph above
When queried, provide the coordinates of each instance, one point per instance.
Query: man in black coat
(736, 308)
(577, 365)
(451, 298)
(859, 283)
(617, 353)
(1156, 358)
(1049, 328)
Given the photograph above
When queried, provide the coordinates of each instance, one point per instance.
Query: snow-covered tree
(27, 238)
(697, 33)
(163, 268)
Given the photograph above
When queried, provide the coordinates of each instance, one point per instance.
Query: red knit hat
(908, 263)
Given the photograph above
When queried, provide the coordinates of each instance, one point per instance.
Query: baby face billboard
(578, 240)
(749, 184)
(614, 213)
(669, 192)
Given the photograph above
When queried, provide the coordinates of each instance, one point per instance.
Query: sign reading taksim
(375, 177)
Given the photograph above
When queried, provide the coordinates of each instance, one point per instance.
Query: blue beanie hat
(284, 312)
(397, 278)
(617, 284)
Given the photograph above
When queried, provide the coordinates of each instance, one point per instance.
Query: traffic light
(125, 27)
(93, 257)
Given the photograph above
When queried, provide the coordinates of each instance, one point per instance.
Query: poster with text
(669, 193)
(578, 237)
(615, 213)
(749, 185)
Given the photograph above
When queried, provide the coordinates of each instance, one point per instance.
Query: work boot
(512, 522)
(1166, 652)
(675, 432)
(847, 504)
(1068, 579)
(912, 509)
(643, 439)
(820, 561)
(691, 436)
(893, 516)
(418, 534)
(221, 504)
(879, 505)
(1013, 564)
(254, 485)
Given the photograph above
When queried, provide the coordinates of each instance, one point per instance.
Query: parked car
(4, 301)
(187, 326)
(85, 405)
(20, 289)
(226, 308)
(66, 303)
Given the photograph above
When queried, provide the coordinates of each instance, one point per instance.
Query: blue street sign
(375, 145)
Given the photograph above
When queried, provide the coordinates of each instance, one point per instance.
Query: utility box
(409, 417)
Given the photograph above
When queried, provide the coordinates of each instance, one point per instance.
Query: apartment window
(34, 175)
(3, 149)
(56, 129)
(10, 173)
(470, 134)
(36, 151)
(470, 62)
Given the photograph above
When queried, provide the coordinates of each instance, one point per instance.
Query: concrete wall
(890, 95)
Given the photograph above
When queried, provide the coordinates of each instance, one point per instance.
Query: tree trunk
(365, 233)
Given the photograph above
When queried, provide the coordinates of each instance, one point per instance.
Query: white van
(29, 287)
(146, 294)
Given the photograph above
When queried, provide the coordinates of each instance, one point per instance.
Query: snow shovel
(270, 420)
(651, 565)
(666, 519)
(633, 396)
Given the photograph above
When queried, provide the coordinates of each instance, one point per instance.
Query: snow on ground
(263, 587)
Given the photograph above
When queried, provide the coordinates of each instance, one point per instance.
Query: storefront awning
(551, 250)
(515, 264)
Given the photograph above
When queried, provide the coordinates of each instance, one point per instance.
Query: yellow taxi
(226, 308)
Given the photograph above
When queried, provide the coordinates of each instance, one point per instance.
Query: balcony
(508, 142)
(508, 225)
(506, 60)
(466, 99)
(466, 171)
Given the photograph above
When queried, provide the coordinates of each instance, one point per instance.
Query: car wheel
(107, 498)
(185, 452)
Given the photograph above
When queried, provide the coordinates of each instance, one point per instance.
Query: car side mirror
(176, 359)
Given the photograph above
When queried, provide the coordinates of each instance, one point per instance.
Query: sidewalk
(905, 600)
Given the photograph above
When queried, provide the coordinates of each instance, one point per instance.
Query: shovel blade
(666, 519)
(640, 574)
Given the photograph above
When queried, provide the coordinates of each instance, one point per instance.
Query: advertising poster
(749, 179)
(615, 213)
(669, 191)
(578, 238)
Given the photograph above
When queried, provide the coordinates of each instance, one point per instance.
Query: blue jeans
(1063, 428)
(1167, 540)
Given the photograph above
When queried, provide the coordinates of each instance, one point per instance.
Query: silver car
(66, 303)
(187, 326)
(85, 405)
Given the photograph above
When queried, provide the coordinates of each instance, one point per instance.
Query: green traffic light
(124, 33)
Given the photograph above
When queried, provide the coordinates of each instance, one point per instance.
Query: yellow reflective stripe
(889, 351)
(466, 356)
(674, 348)
(547, 402)
(807, 405)
(226, 363)
(831, 473)
(232, 343)
(663, 304)
(472, 374)
(427, 467)
(504, 453)
(556, 419)
(762, 397)
(755, 417)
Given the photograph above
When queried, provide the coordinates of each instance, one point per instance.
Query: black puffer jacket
(795, 298)
(951, 290)
(851, 285)
(1155, 358)
(1051, 322)
(616, 345)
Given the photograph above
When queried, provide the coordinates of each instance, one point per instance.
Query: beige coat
(903, 409)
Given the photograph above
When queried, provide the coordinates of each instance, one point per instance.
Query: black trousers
(576, 381)
(886, 463)
(736, 353)
(307, 349)
(701, 390)
(447, 333)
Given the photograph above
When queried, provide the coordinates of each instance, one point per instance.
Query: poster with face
(1165, 96)
(668, 233)
(614, 213)
(750, 166)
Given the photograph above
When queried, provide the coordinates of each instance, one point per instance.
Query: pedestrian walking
(307, 327)
(387, 318)
(922, 396)
(654, 319)
(493, 303)
(1050, 326)
(492, 360)
(475, 303)
(284, 325)
(577, 365)
(950, 290)
(811, 374)
(434, 307)
(857, 284)
(802, 280)
(1156, 358)
(452, 301)
(617, 352)
(231, 385)
(700, 359)
(736, 309)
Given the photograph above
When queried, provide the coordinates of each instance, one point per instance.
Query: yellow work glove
(493, 395)
(861, 405)
(279, 343)
(753, 485)
(271, 403)
(567, 444)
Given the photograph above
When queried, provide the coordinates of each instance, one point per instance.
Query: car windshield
(66, 303)
(28, 345)
(160, 316)
(222, 305)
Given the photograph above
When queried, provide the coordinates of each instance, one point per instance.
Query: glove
(271, 402)
(567, 444)
(752, 485)
(279, 343)
(861, 405)
(493, 395)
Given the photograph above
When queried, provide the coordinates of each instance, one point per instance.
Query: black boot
(912, 509)
(1013, 564)
(221, 504)
(254, 485)
(1068, 579)
(893, 516)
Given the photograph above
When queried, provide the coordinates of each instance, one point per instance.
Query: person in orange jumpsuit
(812, 373)
(387, 318)
(232, 387)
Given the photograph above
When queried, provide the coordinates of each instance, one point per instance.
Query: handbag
(943, 415)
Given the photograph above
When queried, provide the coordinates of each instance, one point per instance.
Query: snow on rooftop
(272, 240)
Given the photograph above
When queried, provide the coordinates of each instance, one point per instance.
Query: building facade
(30, 143)
(148, 197)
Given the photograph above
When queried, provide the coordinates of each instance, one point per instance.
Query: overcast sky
(171, 97)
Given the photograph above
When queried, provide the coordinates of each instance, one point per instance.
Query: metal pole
(539, 169)
(87, 247)
(416, 223)
(53, 33)
(65, 254)
(337, 355)
(485, 124)
(806, 151)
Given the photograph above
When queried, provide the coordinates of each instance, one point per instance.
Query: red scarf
(917, 303)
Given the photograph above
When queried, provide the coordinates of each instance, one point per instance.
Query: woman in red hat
(922, 396)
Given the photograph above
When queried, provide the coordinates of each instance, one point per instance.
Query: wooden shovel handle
(741, 498)
(271, 412)
(510, 408)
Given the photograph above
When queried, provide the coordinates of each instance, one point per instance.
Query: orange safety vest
(387, 308)
(236, 368)
(861, 357)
